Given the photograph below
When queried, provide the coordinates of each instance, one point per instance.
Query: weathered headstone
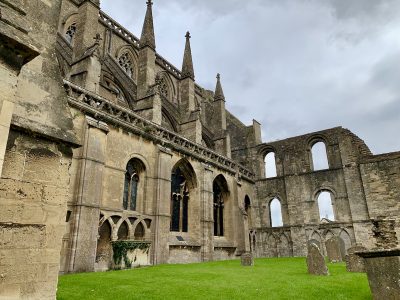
(355, 263)
(333, 249)
(247, 259)
(316, 261)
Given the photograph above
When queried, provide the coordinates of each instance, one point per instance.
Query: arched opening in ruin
(325, 206)
(319, 156)
(132, 186)
(275, 211)
(220, 195)
(270, 165)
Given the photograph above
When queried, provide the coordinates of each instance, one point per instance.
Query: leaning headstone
(247, 259)
(333, 249)
(316, 261)
(355, 263)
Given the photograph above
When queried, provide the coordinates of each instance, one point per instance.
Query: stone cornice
(109, 112)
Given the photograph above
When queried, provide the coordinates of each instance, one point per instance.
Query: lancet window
(179, 201)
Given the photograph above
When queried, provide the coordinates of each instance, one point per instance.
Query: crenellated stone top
(109, 112)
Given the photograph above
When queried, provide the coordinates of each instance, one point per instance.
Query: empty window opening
(70, 33)
(132, 176)
(220, 192)
(183, 182)
(275, 213)
(319, 156)
(270, 165)
(325, 206)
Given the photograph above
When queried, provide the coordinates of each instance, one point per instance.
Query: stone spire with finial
(147, 39)
(219, 93)
(187, 65)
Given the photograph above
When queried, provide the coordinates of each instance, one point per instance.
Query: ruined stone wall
(297, 187)
(381, 182)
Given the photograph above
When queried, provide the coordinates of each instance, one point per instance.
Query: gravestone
(316, 261)
(247, 259)
(333, 249)
(355, 263)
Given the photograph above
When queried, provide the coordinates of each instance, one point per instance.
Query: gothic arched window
(220, 190)
(182, 183)
(319, 156)
(180, 198)
(125, 62)
(270, 165)
(133, 169)
(70, 33)
(325, 206)
(275, 210)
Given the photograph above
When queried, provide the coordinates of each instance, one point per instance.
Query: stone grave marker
(355, 263)
(247, 259)
(316, 261)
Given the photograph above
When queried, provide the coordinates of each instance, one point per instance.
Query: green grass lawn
(270, 278)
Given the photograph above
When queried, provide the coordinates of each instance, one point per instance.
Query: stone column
(88, 197)
(162, 204)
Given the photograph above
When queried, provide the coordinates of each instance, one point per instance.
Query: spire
(219, 93)
(187, 65)
(147, 38)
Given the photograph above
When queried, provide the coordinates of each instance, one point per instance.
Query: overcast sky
(296, 66)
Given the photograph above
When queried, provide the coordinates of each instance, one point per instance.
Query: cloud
(295, 66)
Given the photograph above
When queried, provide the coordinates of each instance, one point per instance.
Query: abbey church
(103, 142)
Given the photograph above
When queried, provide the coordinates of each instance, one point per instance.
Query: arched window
(275, 211)
(325, 206)
(70, 33)
(220, 191)
(133, 170)
(319, 157)
(270, 165)
(247, 204)
(180, 197)
(182, 182)
(125, 62)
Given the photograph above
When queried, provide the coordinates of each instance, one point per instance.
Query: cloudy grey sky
(296, 66)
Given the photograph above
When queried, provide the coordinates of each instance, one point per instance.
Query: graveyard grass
(269, 278)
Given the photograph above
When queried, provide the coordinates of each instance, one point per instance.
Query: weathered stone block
(355, 263)
(383, 270)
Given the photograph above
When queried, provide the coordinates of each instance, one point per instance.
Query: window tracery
(179, 201)
(131, 185)
(126, 64)
(70, 33)
(162, 86)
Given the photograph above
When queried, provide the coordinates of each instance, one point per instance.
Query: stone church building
(104, 142)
